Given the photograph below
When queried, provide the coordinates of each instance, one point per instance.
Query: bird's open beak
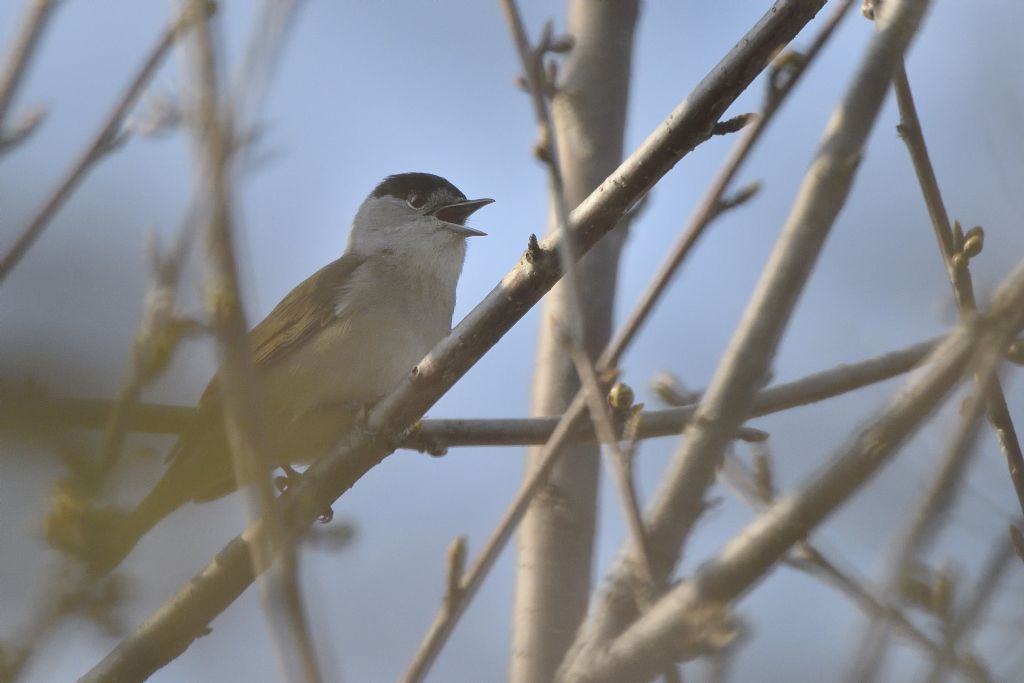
(454, 216)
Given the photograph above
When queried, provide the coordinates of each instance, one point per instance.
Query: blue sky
(369, 89)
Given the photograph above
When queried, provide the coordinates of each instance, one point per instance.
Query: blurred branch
(956, 254)
(65, 590)
(817, 564)
(806, 557)
(161, 329)
(919, 530)
(745, 365)
(239, 390)
(437, 435)
(37, 14)
(109, 138)
(186, 615)
(966, 618)
(669, 629)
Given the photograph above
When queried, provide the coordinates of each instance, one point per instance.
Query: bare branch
(435, 436)
(710, 206)
(104, 141)
(956, 254)
(37, 15)
(965, 620)
(806, 557)
(532, 59)
(920, 529)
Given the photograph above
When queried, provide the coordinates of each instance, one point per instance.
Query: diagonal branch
(23, 48)
(187, 614)
(105, 141)
(919, 530)
(966, 618)
(806, 557)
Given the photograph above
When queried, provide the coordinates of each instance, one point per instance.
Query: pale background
(366, 89)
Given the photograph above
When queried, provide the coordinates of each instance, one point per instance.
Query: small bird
(335, 345)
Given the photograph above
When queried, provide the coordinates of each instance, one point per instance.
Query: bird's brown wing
(303, 312)
(306, 310)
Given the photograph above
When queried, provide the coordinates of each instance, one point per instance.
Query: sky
(364, 90)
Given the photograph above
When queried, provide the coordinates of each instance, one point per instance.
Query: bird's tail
(102, 536)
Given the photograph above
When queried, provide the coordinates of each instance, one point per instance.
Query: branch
(107, 139)
(712, 203)
(37, 15)
(437, 435)
(956, 255)
(807, 558)
(965, 619)
(918, 532)
(188, 613)
(746, 362)
(664, 632)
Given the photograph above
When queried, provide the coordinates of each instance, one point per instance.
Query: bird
(332, 347)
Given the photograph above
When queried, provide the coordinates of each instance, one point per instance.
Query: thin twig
(156, 339)
(532, 59)
(817, 564)
(438, 435)
(23, 48)
(186, 615)
(957, 268)
(108, 138)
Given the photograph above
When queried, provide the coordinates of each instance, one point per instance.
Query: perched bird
(336, 344)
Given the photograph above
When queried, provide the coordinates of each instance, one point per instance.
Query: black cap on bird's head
(401, 185)
(435, 196)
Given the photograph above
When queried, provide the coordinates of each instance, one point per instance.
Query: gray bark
(556, 538)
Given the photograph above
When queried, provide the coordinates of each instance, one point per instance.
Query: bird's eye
(416, 200)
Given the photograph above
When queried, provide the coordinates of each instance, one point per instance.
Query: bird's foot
(291, 478)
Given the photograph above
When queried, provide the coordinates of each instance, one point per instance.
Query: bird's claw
(291, 478)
